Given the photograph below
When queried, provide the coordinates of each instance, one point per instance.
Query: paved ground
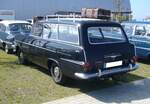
(134, 93)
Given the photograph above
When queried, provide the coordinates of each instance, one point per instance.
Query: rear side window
(50, 31)
(68, 33)
(105, 34)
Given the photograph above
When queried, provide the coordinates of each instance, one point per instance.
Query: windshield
(105, 34)
(20, 28)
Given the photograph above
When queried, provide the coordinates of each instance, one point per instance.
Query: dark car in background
(77, 48)
(9, 29)
(139, 34)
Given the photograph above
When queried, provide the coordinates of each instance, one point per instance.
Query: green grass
(30, 84)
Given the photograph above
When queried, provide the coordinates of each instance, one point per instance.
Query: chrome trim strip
(73, 61)
(140, 41)
(107, 72)
(85, 57)
(144, 48)
(62, 53)
(36, 46)
(135, 50)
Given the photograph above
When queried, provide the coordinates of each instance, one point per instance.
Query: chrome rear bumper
(106, 72)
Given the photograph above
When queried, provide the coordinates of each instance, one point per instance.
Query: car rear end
(107, 50)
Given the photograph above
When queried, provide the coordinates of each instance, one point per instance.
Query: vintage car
(78, 48)
(139, 34)
(9, 29)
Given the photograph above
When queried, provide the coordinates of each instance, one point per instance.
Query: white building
(25, 9)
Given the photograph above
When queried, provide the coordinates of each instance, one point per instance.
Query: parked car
(78, 48)
(139, 34)
(9, 29)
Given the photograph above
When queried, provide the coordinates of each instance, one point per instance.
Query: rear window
(105, 34)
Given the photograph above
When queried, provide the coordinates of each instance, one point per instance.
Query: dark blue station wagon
(78, 48)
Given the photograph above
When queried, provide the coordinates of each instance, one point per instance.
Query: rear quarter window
(69, 33)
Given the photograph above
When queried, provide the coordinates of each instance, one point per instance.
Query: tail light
(134, 59)
(87, 66)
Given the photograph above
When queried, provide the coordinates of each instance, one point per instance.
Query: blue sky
(140, 8)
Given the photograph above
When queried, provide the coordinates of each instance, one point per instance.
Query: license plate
(113, 64)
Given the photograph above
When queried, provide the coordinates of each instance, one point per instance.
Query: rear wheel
(57, 74)
(21, 58)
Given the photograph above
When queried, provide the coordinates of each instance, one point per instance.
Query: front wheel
(57, 74)
(7, 50)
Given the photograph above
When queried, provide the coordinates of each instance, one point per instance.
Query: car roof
(78, 21)
(136, 22)
(7, 22)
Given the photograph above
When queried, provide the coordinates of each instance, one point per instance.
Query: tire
(57, 74)
(22, 59)
(7, 50)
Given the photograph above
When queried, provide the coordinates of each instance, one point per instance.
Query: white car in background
(8, 30)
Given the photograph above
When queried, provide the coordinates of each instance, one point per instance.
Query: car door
(32, 42)
(39, 49)
(139, 39)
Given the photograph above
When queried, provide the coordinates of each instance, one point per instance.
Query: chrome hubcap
(21, 56)
(6, 48)
(56, 72)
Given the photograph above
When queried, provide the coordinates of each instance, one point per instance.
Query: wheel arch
(51, 61)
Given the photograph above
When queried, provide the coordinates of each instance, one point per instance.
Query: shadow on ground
(125, 93)
(110, 91)
(144, 61)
